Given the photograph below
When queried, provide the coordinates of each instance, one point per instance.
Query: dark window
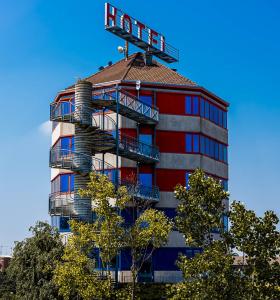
(202, 107)
(202, 146)
(188, 100)
(207, 110)
(146, 179)
(188, 143)
(187, 179)
(147, 99)
(216, 150)
(224, 119)
(196, 143)
(195, 106)
(66, 183)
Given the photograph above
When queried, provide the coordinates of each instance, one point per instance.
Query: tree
(210, 274)
(7, 287)
(200, 208)
(109, 234)
(259, 240)
(33, 263)
(77, 272)
(150, 231)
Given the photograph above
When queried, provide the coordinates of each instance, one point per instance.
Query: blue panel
(202, 107)
(195, 105)
(64, 183)
(146, 138)
(146, 179)
(65, 143)
(146, 99)
(225, 154)
(216, 150)
(188, 142)
(169, 212)
(207, 146)
(72, 180)
(64, 224)
(188, 105)
(221, 153)
(202, 144)
(224, 119)
(187, 179)
(129, 214)
(220, 117)
(196, 143)
(206, 109)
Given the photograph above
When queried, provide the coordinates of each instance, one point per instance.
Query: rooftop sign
(137, 33)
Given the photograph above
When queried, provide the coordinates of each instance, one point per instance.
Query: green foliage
(200, 208)
(209, 275)
(259, 239)
(7, 287)
(33, 263)
(109, 234)
(75, 275)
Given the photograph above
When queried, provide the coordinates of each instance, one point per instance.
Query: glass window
(188, 143)
(221, 153)
(196, 143)
(72, 180)
(64, 183)
(211, 146)
(220, 118)
(146, 138)
(64, 224)
(202, 107)
(187, 179)
(224, 119)
(206, 109)
(188, 104)
(216, 115)
(147, 99)
(195, 106)
(216, 150)
(225, 223)
(225, 154)
(146, 179)
(202, 146)
(207, 146)
(211, 112)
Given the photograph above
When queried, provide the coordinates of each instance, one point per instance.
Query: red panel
(171, 141)
(146, 169)
(129, 131)
(170, 103)
(128, 173)
(166, 180)
(146, 129)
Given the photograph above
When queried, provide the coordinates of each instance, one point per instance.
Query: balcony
(129, 105)
(129, 147)
(70, 160)
(141, 192)
(61, 204)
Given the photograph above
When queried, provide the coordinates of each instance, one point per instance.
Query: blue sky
(230, 47)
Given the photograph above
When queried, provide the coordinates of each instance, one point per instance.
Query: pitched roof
(134, 68)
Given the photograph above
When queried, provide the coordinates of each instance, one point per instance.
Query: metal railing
(61, 204)
(130, 105)
(141, 191)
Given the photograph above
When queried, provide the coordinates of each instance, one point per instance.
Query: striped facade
(191, 132)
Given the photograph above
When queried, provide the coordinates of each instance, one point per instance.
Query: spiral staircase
(96, 132)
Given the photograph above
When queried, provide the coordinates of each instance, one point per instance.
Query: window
(196, 143)
(146, 179)
(146, 138)
(189, 142)
(187, 179)
(188, 105)
(195, 105)
(66, 183)
(61, 223)
(146, 99)
(207, 110)
(202, 107)
(67, 143)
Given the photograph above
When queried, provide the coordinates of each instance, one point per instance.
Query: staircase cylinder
(83, 98)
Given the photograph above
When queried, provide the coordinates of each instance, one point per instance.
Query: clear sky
(230, 47)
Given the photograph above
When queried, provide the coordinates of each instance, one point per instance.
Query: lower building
(147, 127)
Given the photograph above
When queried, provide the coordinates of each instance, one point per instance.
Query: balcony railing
(70, 160)
(61, 204)
(129, 105)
